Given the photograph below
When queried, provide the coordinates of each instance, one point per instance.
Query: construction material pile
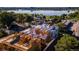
(42, 31)
(36, 35)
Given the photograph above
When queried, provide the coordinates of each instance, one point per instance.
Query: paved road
(49, 45)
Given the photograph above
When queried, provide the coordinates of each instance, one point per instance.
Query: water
(44, 12)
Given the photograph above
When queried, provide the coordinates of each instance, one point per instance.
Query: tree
(7, 18)
(63, 16)
(74, 15)
(29, 18)
(20, 18)
(61, 27)
(2, 34)
(67, 43)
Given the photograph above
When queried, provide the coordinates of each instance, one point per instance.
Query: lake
(44, 12)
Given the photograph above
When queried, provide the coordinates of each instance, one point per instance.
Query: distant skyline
(39, 8)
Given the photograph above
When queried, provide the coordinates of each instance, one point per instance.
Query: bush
(67, 43)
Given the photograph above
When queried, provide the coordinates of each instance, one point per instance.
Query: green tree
(6, 19)
(20, 18)
(2, 34)
(61, 27)
(63, 16)
(68, 43)
(29, 18)
(74, 15)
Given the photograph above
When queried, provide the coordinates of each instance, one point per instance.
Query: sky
(39, 3)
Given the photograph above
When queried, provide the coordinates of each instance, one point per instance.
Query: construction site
(36, 38)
